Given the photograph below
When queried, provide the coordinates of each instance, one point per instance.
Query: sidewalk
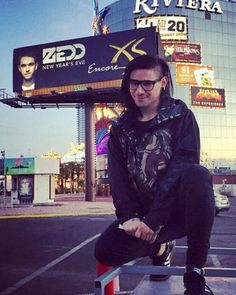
(63, 205)
(219, 285)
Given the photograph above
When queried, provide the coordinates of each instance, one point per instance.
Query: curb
(63, 206)
(43, 215)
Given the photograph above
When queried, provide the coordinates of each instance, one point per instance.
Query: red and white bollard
(114, 285)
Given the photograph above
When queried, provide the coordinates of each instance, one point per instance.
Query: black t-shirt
(140, 128)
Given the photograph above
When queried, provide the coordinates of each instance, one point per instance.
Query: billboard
(207, 97)
(26, 187)
(182, 52)
(17, 166)
(194, 74)
(103, 116)
(79, 61)
(169, 27)
(101, 162)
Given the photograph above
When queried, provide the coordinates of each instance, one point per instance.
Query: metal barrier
(130, 268)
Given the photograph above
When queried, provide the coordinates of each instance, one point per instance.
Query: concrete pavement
(63, 205)
(219, 285)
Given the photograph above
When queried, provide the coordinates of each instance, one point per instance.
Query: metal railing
(131, 268)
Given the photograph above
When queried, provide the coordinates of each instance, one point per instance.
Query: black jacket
(145, 165)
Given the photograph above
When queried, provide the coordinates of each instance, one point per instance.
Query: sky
(31, 132)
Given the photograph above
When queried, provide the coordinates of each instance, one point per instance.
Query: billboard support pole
(89, 152)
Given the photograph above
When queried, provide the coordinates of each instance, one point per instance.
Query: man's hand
(139, 229)
(145, 233)
(130, 226)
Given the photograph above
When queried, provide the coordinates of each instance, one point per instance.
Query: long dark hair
(144, 62)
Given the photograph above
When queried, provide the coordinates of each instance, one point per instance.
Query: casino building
(199, 41)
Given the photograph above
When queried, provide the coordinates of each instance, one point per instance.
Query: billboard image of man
(27, 65)
(25, 186)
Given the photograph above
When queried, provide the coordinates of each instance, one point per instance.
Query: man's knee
(196, 182)
(108, 247)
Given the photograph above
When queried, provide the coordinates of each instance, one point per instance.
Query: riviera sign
(202, 5)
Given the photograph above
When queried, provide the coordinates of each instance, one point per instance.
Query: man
(159, 190)
(27, 66)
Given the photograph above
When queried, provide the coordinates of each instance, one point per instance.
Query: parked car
(221, 203)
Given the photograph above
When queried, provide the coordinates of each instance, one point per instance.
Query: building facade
(199, 40)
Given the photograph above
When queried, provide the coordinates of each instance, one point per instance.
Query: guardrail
(130, 268)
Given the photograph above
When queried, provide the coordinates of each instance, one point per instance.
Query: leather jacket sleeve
(122, 193)
(186, 151)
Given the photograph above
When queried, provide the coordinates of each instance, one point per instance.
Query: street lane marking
(215, 261)
(41, 270)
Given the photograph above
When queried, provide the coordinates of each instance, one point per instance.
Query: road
(54, 256)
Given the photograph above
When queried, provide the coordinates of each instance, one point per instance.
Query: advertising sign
(182, 52)
(102, 138)
(101, 162)
(103, 117)
(16, 166)
(207, 97)
(169, 27)
(26, 186)
(102, 135)
(78, 61)
(152, 7)
(193, 74)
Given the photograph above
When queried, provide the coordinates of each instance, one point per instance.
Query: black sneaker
(195, 284)
(163, 260)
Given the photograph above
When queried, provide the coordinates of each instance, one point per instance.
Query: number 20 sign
(169, 27)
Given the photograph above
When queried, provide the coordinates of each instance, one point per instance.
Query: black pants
(192, 215)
